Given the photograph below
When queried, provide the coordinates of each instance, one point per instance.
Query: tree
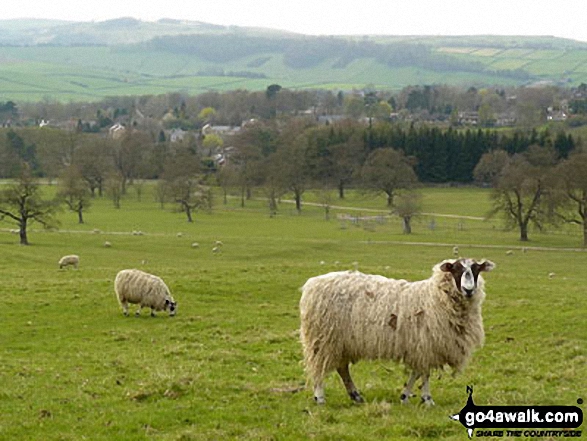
(522, 188)
(573, 189)
(184, 185)
(346, 158)
(128, 155)
(95, 163)
(409, 204)
(388, 171)
(293, 160)
(21, 202)
(490, 166)
(74, 191)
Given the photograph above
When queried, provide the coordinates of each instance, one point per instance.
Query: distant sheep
(218, 243)
(195, 245)
(455, 251)
(107, 244)
(348, 316)
(509, 252)
(69, 260)
(179, 234)
(146, 290)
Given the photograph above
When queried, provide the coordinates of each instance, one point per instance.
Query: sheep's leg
(124, 308)
(426, 397)
(138, 312)
(152, 312)
(407, 392)
(319, 391)
(349, 385)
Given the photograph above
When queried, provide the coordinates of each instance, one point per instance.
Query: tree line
(295, 154)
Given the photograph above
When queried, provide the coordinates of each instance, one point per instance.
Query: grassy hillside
(86, 61)
(228, 365)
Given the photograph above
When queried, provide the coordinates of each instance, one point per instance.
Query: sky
(335, 17)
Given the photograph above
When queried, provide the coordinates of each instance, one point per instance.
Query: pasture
(228, 366)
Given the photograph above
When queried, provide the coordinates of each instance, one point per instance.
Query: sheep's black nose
(468, 292)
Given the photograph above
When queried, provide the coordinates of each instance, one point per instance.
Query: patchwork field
(34, 73)
(228, 366)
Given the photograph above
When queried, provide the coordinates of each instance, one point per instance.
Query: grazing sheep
(138, 287)
(551, 275)
(348, 316)
(69, 260)
(216, 250)
(195, 245)
(455, 251)
(509, 252)
(218, 243)
(179, 234)
(107, 244)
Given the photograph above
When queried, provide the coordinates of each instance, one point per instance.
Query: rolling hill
(67, 61)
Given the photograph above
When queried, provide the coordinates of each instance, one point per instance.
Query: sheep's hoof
(125, 313)
(356, 397)
(320, 400)
(428, 401)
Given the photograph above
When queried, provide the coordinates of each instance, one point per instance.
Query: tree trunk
(298, 197)
(407, 225)
(341, 190)
(243, 190)
(524, 232)
(23, 236)
(80, 216)
(389, 200)
(188, 212)
(585, 232)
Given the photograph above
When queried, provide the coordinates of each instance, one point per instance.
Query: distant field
(228, 365)
(91, 73)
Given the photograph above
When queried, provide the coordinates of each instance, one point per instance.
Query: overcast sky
(335, 17)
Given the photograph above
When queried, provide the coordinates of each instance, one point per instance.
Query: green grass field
(35, 73)
(228, 366)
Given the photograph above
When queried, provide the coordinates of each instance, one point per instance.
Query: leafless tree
(22, 202)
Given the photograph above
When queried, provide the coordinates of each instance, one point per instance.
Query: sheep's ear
(446, 267)
(486, 265)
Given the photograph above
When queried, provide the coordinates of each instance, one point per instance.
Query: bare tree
(389, 171)
(408, 205)
(490, 166)
(94, 160)
(74, 191)
(21, 202)
(572, 208)
(522, 189)
(184, 184)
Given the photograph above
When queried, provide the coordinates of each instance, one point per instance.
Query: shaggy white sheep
(138, 287)
(348, 316)
(69, 260)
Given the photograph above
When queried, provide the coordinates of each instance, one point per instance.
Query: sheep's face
(466, 273)
(172, 306)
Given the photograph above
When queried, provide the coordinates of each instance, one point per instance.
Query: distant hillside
(43, 59)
